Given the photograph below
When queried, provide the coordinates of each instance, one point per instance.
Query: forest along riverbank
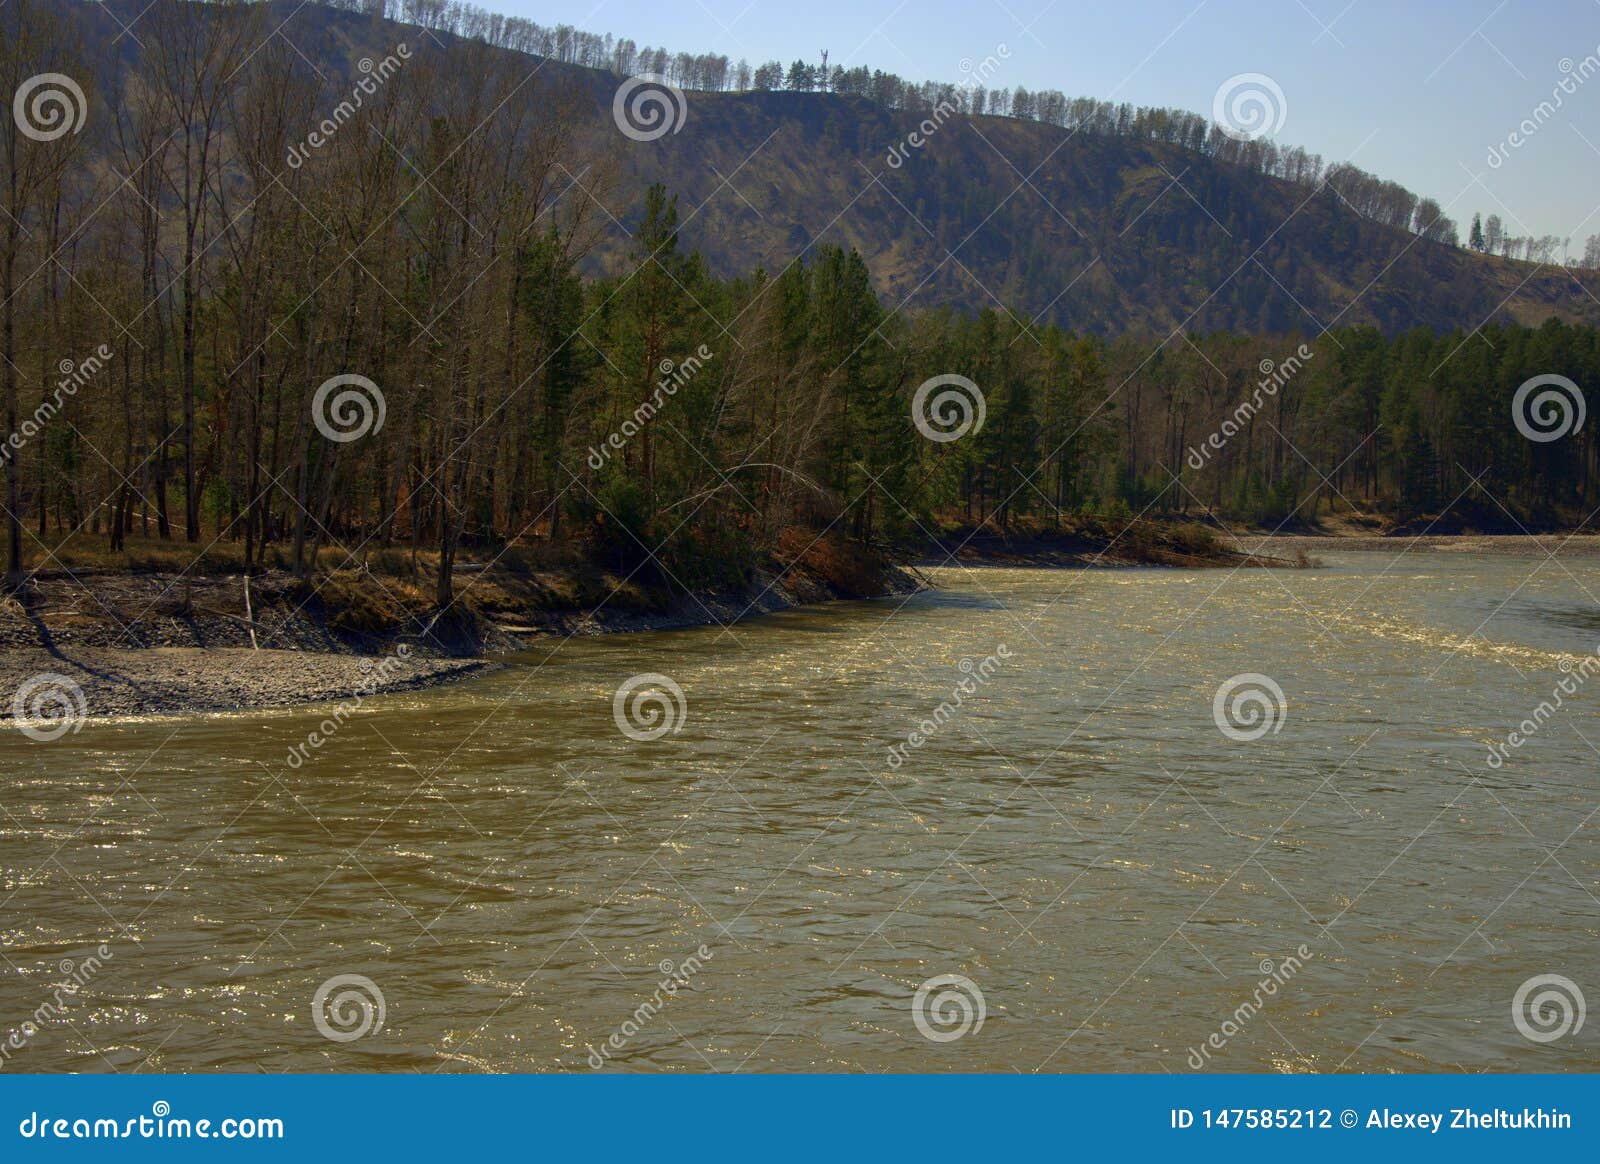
(153, 642)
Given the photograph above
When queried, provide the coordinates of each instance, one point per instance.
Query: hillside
(1092, 233)
(303, 279)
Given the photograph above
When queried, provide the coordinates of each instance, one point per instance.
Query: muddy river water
(1021, 784)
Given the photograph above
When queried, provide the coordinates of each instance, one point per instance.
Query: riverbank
(162, 642)
(1087, 542)
(147, 639)
(192, 680)
(1496, 545)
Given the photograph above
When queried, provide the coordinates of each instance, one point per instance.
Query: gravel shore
(174, 680)
(122, 653)
(103, 644)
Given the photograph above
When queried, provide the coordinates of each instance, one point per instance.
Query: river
(1119, 884)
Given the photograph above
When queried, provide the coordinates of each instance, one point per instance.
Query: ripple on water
(1078, 839)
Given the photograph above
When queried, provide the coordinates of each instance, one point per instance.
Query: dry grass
(142, 555)
(381, 592)
(85, 552)
(196, 590)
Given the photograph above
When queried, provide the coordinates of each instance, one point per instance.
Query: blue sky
(1418, 91)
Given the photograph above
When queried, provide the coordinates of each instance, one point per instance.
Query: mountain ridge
(1096, 233)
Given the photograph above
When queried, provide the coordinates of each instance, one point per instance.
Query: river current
(1004, 825)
